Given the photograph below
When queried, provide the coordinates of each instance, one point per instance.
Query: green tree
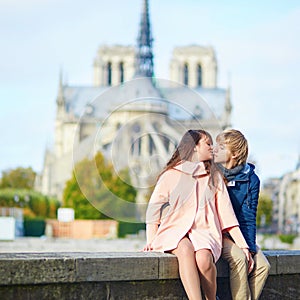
(264, 211)
(19, 178)
(33, 203)
(75, 198)
(95, 189)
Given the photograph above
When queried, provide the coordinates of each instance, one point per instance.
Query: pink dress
(194, 208)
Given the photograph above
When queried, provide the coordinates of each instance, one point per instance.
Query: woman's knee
(184, 249)
(204, 260)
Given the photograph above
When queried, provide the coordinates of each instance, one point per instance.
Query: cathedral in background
(130, 116)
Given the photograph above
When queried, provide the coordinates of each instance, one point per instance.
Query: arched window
(151, 145)
(199, 75)
(109, 73)
(185, 74)
(121, 70)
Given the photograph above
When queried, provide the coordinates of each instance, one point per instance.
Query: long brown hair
(185, 149)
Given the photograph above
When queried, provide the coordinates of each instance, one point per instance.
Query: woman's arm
(153, 214)
(151, 230)
(160, 196)
(237, 236)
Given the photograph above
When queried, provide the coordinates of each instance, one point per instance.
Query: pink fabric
(196, 209)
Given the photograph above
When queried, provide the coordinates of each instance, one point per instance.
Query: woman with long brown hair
(187, 212)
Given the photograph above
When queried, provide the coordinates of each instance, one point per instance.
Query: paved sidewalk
(43, 244)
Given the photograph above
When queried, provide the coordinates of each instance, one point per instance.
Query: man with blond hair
(247, 275)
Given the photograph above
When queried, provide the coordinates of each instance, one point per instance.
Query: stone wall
(130, 275)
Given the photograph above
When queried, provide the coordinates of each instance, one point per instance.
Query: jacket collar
(191, 168)
(243, 174)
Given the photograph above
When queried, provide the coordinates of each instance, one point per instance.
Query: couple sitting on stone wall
(203, 206)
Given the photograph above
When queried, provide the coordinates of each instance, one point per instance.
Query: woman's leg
(208, 273)
(188, 269)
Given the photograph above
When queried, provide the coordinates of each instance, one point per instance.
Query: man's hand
(249, 259)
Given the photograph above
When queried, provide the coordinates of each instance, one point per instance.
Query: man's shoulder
(253, 177)
(252, 173)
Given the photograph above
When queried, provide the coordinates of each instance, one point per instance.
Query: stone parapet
(124, 275)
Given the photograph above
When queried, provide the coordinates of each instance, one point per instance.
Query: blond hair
(237, 144)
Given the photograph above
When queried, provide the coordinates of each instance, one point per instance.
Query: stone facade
(289, 202)
(285, 194)
(153, 129)
(271, 188)
(113, 65)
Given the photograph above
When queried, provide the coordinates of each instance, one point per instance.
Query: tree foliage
(95, 188)
(17, 190)
(264, 211)
(34, 203)
(19, 178)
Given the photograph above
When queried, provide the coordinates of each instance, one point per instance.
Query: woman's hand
(148, 247)
(249, 259)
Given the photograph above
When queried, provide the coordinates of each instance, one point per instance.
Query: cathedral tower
(194, 66)
(144, 57)
(114, 65)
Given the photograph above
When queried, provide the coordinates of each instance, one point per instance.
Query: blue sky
(256, 42)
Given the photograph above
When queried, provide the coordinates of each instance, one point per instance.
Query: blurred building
(271, 188)
(285, 195)
(130, 116)
(289, 202)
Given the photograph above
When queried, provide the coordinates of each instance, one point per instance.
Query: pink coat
(193, 207)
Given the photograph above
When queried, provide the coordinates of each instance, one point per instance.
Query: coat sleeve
(250, 212)
(224, 207)
(159, 197)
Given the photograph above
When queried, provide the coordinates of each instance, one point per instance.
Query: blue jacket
(244, 192)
